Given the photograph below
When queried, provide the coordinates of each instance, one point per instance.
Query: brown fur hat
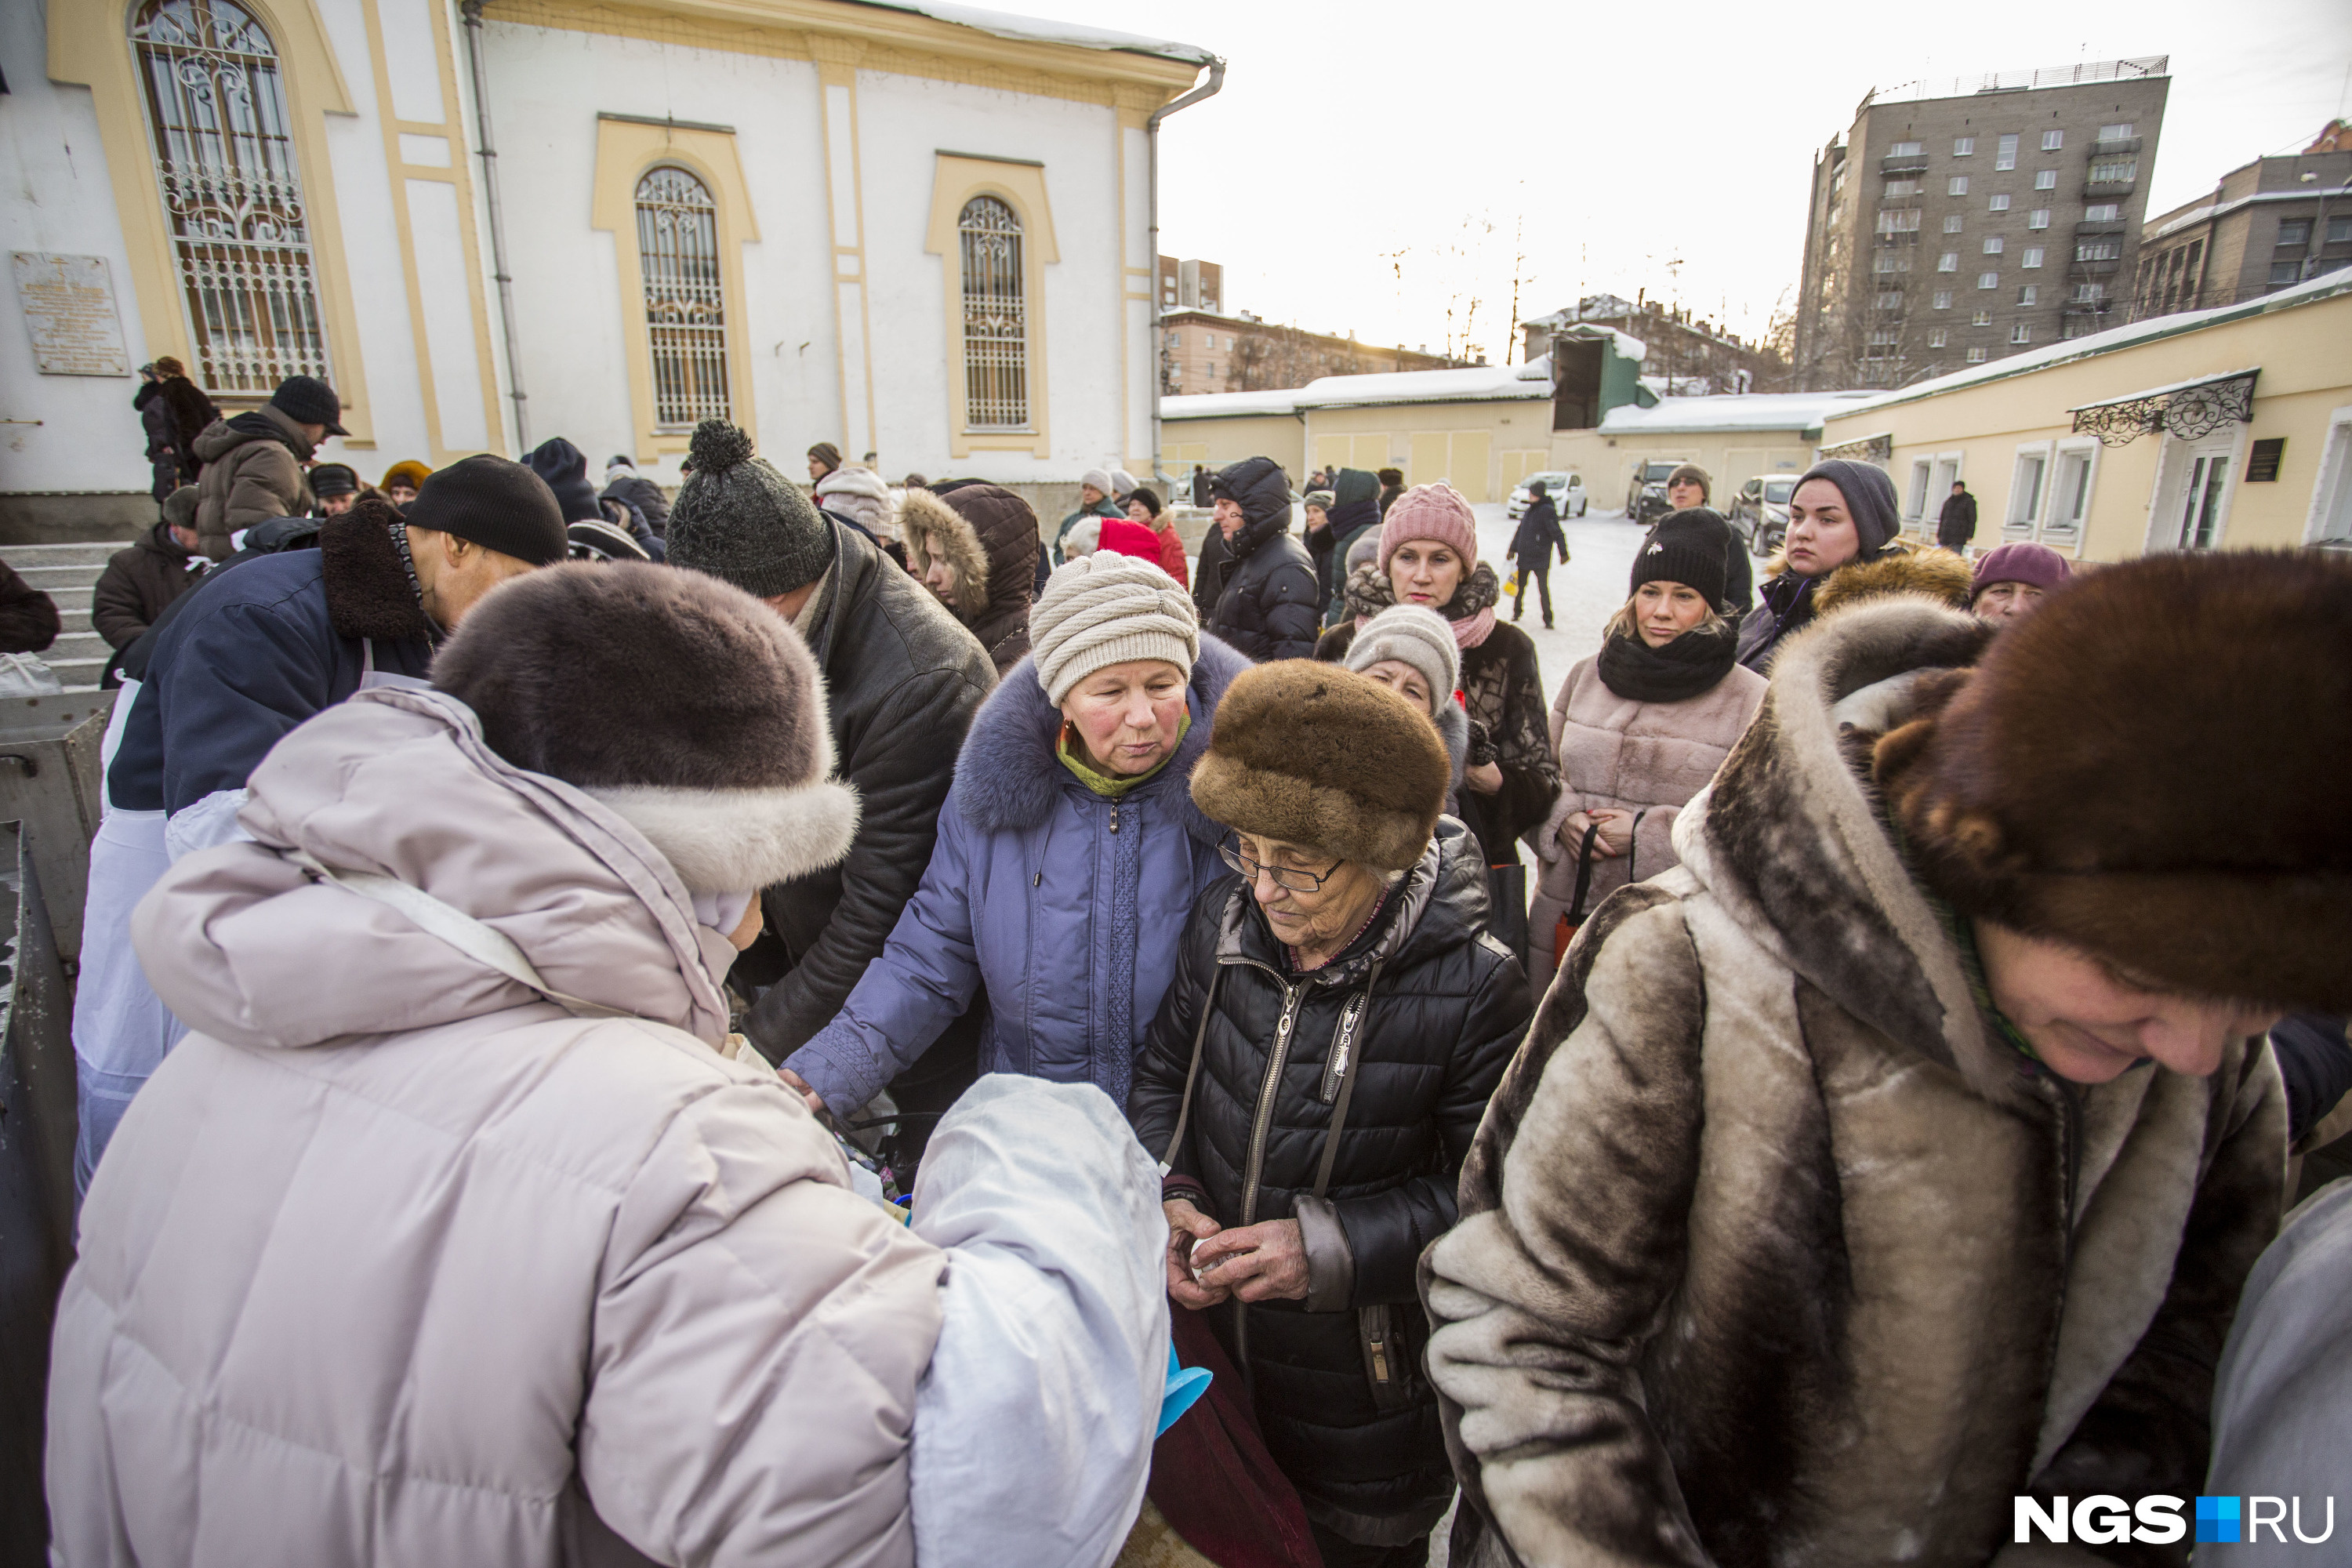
(1902, 568)
(2151, 769)
(686, 706)
(1314, 755)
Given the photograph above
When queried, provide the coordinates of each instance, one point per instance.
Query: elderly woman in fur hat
(1338, 1020)
(1069, 851)
(1902, 1153)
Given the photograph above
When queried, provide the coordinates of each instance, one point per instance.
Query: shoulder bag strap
(482, 943)
(1192, 1073)
(1351, 1041)
(1634, 846)
(1583, 875)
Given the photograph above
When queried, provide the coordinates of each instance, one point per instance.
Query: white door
(2196, 495)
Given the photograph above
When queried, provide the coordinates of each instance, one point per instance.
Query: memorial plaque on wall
(69, 305)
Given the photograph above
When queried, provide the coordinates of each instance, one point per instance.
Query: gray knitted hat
(741, 521)
(1415, 636)
(1106, 609)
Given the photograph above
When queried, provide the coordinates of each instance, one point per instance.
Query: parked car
(1645, 497)
(1565, 488)
(1760, 511)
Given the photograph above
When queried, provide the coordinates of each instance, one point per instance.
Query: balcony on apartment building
(1895, 163)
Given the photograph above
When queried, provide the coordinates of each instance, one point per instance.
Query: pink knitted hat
(1430, 511)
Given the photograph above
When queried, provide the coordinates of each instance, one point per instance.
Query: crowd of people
(541, 931)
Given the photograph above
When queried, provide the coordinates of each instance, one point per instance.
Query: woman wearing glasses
(1069, 851)
(1313, 1076)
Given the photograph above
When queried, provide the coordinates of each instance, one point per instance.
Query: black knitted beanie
(741, 521)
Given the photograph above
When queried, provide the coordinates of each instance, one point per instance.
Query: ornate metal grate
(2188, 412)
(232, 192)
(686, 311)
(995, 318)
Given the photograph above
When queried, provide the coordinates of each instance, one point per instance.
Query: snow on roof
(1473, 384)
(1228, 404)
(1629, 348)
(1032, 30)
(2068, 350)
(1730, 411)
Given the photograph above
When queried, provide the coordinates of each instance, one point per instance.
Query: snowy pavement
(1584, 593)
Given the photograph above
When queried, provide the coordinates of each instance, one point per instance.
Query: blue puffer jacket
(1066, 906)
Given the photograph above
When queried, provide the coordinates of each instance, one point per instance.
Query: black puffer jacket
(904, 679)
(1448, 1003)
(1267, 603)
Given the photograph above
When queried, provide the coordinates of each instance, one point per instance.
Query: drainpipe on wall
(472, 11)
(1208, 89)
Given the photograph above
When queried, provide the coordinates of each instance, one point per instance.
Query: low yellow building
(2229, 428)
(1735, 437)
(1481, 429)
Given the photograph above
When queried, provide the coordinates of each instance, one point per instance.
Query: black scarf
(1689, 667)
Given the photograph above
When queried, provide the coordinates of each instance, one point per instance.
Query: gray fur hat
(725, 758)
(739, 519)
(1415, 636)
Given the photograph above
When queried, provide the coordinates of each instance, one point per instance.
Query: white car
(1566, 490)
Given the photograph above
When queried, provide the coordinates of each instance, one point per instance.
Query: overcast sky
(1367, 165)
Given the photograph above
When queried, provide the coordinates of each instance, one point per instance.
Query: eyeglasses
(1284, 876)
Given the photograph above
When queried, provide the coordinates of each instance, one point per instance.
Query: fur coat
(1772, 1252)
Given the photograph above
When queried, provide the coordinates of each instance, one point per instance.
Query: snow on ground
(1584, 593)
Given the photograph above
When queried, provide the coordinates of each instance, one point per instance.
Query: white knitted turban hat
(1413, 636)
(1105, 609)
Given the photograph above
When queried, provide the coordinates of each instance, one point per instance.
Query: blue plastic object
(1185, 1386)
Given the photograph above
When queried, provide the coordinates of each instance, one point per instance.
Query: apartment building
(2267, 226)
(1958, 223)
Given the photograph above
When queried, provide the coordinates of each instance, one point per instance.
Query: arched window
(995, 318)
(686, 316)
(231, 193)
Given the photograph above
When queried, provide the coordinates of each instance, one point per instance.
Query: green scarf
(1105, 784)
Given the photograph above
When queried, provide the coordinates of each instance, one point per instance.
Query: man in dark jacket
(249, 657)
(1391, 486)
(1958, 523)
(623, 482)
(1356, 509)
(139, 582)
(1531, 547)
(903, 678)
(1201, 496)
(1267, 604)
(253, 463)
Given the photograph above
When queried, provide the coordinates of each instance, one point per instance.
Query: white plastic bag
(27, 674)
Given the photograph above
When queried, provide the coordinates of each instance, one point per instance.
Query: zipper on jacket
(1114, 817)
(1263, 1122)
(1343, 1040)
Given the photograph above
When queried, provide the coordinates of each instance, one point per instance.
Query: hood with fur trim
(1009, 776)
(1902, 568)
(989, 534)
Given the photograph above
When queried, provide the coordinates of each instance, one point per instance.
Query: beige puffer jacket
(1620, 755)
(394, 1262)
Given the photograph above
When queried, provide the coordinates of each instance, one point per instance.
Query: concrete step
(78, 644)
(26, 556)
(75, 619)
(56, 580)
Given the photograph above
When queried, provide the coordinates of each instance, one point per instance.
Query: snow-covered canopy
(1032, 30)
(1475, 384)
(1731, 411)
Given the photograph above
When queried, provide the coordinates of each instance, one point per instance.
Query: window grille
(995, 318)
(231, 193)
(686, 312)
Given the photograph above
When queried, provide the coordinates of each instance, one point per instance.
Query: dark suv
(1759, 513)
(1645, 497)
